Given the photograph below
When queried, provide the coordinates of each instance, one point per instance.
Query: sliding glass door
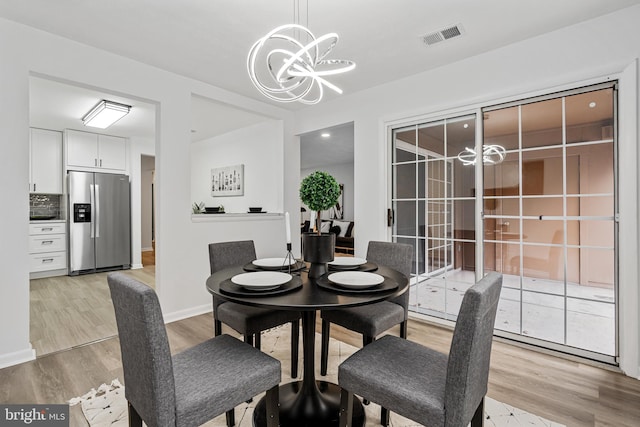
(549, 218)
(433, 201)
(547, 222)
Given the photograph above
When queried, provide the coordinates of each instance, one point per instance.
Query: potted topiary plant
(319, 191)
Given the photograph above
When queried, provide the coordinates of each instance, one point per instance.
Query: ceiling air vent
(442, 35)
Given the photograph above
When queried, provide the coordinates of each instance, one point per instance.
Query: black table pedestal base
(309, 410)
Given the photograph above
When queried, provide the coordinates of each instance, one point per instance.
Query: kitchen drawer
(44, 228)
(47, 261)
(47, 243)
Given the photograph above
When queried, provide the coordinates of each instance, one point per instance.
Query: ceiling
(209, 41)
(61, 105)
(317, 150)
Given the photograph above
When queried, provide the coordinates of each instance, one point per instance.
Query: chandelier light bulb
(285, 68)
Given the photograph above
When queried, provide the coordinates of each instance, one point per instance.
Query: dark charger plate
(386, 286)
(368, 266)
(299, 265)
(229, 288)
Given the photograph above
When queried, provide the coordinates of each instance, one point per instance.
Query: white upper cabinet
(45, 165)
(113, 152)
(94, 151)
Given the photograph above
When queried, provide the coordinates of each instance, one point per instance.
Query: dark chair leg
(478, 416)
(366, 340)
(217, 326)
(273, 406)
(324, 351)
(257, 342)
(248, 338)
(295, 342)
(403, 329)
(346, 408)
(231, 418)
(384, 416)
(134, 417)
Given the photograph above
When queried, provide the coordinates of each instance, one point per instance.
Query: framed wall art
(227, 181)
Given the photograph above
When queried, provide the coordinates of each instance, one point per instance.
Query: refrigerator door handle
(96, 223)
(92, 201)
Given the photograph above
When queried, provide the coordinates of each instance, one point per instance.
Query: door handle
(92, 201)
(97, 217)
(389, 217)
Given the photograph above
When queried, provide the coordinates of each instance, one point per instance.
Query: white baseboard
(190, 312)
(49, 273)
(17, 357)
(147, 249)
(136, 266)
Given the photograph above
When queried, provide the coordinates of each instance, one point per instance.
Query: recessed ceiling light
(466, 125)
(592, 104)
(325, 134)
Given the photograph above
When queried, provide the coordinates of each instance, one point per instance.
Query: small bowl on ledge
(255, 210)
(214, 209)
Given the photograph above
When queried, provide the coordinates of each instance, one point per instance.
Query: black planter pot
(318, 250)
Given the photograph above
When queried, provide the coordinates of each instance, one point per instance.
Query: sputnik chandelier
(491, 154)
(288, 64)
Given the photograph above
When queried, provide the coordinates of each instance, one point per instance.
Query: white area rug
(107, 406)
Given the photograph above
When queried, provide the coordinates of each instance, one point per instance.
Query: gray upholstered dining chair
(246, 320)
(425, 385)
(371, 320)
(193, 386)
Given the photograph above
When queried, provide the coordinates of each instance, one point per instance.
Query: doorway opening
(331, 150)
(69, 311)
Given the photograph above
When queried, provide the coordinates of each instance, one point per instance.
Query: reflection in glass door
(434, 203)
(549, 219)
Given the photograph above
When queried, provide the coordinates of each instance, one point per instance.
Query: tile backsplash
(45, 205)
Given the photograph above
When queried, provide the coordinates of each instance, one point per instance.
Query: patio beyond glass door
(433, 200)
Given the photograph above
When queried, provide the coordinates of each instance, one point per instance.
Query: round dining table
(309, 402)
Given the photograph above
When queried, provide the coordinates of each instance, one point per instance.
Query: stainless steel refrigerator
(99, 222)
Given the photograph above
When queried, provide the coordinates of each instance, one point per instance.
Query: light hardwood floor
(69, 311)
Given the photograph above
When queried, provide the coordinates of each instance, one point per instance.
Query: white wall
(181, 263)
(343, 173)
(583, 53)
(259, 149)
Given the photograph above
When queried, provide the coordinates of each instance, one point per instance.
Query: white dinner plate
(261, 280)
(273, 262)
(347, 262)
(356, 279)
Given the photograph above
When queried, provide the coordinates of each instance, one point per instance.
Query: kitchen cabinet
(47, 248)
(94, 151)
(45, 161)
